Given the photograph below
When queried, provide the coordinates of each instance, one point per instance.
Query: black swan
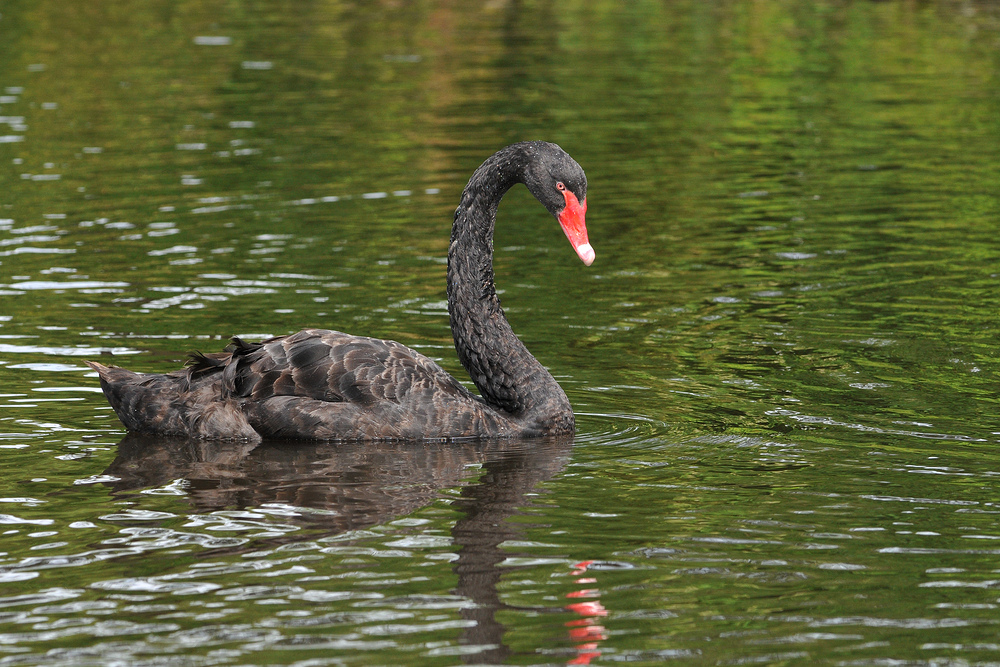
(327, 385)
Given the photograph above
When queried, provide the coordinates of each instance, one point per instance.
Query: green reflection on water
(783, 359)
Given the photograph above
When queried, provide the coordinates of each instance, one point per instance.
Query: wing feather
(313, 384)
(334, 367)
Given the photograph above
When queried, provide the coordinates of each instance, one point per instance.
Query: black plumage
(328, 385)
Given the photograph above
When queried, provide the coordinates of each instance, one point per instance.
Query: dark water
(783, 360)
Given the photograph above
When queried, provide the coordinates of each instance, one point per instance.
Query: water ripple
(41, 597)
(66, 284)
(79, 351)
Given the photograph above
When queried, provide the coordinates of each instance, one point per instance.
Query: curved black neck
(507, 375)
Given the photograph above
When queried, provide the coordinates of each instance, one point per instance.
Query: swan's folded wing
(334, 367)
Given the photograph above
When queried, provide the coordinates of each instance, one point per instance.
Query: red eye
(560, 186)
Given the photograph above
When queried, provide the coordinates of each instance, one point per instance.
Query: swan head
(558, 182)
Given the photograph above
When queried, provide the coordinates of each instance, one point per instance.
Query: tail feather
(200, 365)
(186, 403)
(238, 347)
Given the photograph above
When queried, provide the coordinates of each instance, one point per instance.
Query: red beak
(574, 223)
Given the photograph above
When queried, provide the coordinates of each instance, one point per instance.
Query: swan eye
(560, 186)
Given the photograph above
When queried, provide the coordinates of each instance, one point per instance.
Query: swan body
(327, 385)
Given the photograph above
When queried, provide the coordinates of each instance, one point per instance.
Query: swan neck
(506, 374)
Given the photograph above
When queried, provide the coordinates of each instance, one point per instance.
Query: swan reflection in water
(358, 485)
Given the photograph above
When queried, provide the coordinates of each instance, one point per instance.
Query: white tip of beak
(586, 253)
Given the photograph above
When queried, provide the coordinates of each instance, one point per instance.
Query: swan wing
(334, 367)
(323, 384)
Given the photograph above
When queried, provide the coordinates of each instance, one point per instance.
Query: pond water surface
(783, 361)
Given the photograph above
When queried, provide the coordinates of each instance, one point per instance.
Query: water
(782, 361)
